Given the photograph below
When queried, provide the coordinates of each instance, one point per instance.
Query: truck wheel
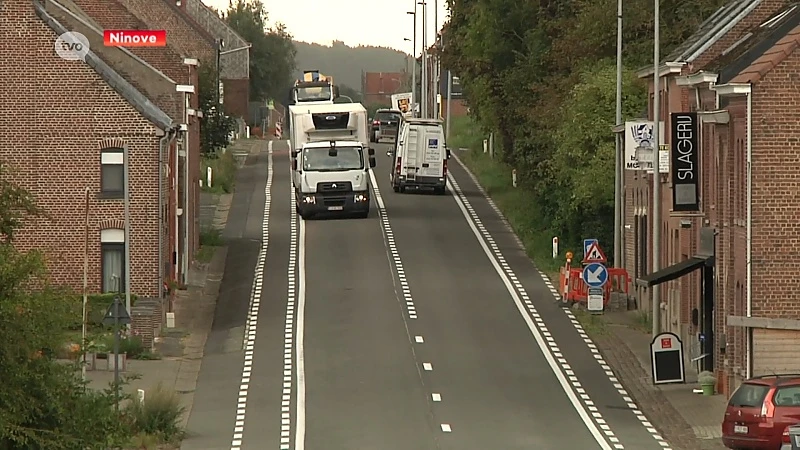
(396, 188)
(439, 190)
(363, 214)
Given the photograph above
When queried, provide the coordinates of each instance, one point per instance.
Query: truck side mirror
(294, 153)
(336, 92)
(372, 162)
(389, 153)
(371, 151)
(294, 164)
(448, 153)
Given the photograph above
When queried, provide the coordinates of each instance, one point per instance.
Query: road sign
(595, 275)
(116, 314)
(587, 243)
(594, 255)
(666, 359)
(594, 300)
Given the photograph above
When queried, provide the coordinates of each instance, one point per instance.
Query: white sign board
(666, 359)
(594, 301)
(402, 103)
(640, 134)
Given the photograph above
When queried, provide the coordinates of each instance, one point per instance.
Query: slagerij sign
(685, 162)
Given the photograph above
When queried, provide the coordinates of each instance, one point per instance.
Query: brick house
(84, 113)
(191, 38)
(234, 58)
(680, 234)
(754, 85)
(377, 87)
(169, 60)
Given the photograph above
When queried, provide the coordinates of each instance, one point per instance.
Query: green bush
(160, 413)
(223, 172)
(96, 307)
(211, 237)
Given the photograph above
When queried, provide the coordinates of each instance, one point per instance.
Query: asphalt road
(408, 330)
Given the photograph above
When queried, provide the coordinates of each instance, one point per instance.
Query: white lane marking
(389, 235)
(252, 313)
(575, 323)
(436, 397)
(419, 339)
(538, 329)
(427, 366)
(290, 341)
(446, 428)
(300, 432)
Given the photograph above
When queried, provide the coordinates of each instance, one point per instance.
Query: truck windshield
(313, 93)
(320, 160)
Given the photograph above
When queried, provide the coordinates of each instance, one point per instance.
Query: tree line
(542, 77)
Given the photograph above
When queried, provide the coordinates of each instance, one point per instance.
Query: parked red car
(759, 412)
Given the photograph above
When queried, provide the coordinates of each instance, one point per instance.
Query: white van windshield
(321, 160)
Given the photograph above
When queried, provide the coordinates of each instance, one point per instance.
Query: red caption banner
(135, 38)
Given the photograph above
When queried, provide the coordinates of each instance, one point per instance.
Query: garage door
(775, 351)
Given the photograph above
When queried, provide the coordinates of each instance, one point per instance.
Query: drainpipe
(749, 238)
(175, 185)
(185, 261)
(162, 144)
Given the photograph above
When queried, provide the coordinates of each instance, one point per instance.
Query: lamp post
(414, 59)
(407, 65)
(85, 284)
(219, 45)
(424, 109)
(656, 163)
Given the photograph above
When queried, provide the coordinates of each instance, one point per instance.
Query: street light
(414, 58)
(656, 166)
(424, 109)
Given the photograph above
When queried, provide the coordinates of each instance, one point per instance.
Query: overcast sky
(382, 23)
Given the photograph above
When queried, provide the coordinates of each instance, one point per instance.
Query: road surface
(421, 327)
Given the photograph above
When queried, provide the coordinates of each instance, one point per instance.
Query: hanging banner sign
(685, 161)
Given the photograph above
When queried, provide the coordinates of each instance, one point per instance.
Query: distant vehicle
(760, 411)
(791, 434)
(385, 125)
(313, 89)
(420, 157)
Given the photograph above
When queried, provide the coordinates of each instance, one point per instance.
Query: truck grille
(330, 121)
(338, 200)
(336, 186)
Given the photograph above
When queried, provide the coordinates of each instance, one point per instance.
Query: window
(112, 260)
(787, 396)
(112, 173)
(749, 395)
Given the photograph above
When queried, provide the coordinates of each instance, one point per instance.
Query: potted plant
(707, 381)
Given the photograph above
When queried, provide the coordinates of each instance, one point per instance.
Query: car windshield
(321, 160)
(315, 93)
(749, 395)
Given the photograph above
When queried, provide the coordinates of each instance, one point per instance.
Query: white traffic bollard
(555, 247)
(140, 395)
(485, 146)
(208, 176)
(514, 177)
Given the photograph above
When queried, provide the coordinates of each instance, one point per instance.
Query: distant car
(760, 411)
(789, 434)
(385, 124)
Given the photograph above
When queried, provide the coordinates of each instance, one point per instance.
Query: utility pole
(127, 207)
(85, 284)
(219, 50)
(656, 163)
(438, 42)
(619, 193)
(414, 63)
(447, 112)
(424, 109)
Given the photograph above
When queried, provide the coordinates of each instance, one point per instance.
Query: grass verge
(210, 239)
(223, 172)
(593, 324)
(517, 204)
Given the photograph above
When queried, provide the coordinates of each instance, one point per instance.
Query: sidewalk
(688, 421)
(181, 348)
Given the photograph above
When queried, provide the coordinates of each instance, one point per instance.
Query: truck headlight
(309, 199)
(361, 198)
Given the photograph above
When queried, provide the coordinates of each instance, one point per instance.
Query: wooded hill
(345, 63)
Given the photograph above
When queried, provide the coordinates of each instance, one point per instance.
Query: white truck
(331, 159)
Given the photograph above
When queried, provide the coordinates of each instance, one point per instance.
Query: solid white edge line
(300, 420)
(378, 198)
(584, 415)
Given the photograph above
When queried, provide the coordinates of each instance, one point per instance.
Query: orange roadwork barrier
(574, 290)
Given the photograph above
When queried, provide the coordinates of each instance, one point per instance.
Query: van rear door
(432, 149)
(410, 153)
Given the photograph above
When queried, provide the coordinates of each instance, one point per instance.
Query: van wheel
(396, 188)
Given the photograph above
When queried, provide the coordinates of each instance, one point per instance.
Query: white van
(420, 156)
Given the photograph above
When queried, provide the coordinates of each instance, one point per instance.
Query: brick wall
(776, 182)
(760, 13)
(182, 34)
(237, 98)
(67, 114)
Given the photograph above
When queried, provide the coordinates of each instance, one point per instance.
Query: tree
(215, 126)
(43, 403)
(272, 55)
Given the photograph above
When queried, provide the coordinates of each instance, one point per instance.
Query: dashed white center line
(436, 397)
(427, 366)
(446, 428)
(252, 314)
(419, 339)
(289, 340)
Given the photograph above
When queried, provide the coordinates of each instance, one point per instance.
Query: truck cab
(332, 176)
